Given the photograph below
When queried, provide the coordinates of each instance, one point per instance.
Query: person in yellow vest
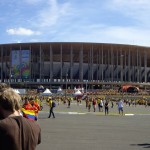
(37, 100)
(51, 104)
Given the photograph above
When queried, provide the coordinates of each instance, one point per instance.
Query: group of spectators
(19, 129)
(103, 105)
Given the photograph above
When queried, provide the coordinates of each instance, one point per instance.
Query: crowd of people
(93, 103)
(101, 101)
(21, 112)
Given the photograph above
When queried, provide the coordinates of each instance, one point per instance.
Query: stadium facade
(69, 64)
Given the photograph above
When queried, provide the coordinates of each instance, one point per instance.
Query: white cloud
(112, 21)
(22, 31)
(52, 14)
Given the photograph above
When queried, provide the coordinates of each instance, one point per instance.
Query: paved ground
(95, 131)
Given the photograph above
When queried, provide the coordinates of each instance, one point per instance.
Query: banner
(20, 67)
(25, 66)
(15, 64)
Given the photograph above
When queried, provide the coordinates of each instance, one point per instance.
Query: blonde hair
(3, 86)
(9, 99)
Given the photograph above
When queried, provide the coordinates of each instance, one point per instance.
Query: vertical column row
(61, 63)
(51, 64)
(129, 65)
(1, 63)
(112, 65)
(71, 63)
(40, 62)
(81, 64)
(145, 65)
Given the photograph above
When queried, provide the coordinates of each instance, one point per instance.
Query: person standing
(106, 108)
(86, 102)
(89, 104)
(94, 104)
(16, 132)
(28, 111)
(27, 105)
(120, 107)
(51, 104)
(101, 105)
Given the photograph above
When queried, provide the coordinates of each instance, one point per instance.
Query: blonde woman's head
(9, 99)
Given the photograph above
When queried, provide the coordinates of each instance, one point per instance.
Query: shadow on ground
(144, 145)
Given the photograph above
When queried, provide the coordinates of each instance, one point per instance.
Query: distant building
(54, 63)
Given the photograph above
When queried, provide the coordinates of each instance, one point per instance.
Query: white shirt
(101, 103)
(120, 104)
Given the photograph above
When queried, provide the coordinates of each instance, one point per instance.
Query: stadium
(55, 64)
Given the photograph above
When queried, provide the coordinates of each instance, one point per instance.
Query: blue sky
(98, 21)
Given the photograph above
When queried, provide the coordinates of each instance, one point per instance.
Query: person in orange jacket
(35, 106)
(27, 105)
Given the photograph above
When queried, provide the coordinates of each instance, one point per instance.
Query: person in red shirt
(29, 111)
(94, 104)
(35, 107)
(27, 105)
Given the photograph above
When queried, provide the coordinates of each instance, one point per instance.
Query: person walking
(112, 104)
(51, 104)
(69, 101)
(16, 132)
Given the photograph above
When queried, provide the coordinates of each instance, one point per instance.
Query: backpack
(53, 104)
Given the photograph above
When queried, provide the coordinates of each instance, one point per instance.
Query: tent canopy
(47, 92)
(78, 93)
(59, 90)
